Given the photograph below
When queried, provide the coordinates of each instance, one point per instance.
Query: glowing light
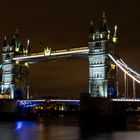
(108, 36)
(62, 108)
(17, 62)
(115, 35)
(27, 57)
(63, 100)
(126, 100)
(31, 101)
(47, 51)
(25, 50)
(17, 49)
(101, 36)
(114, 39)
(4, 96)
(71, 52)
(18, 125)
(93, 37)
(26, 64)
(113, 66)
(28, 42)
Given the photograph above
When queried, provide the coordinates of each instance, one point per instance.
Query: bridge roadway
(33, 103)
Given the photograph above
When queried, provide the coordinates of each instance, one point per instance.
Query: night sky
(65, 24)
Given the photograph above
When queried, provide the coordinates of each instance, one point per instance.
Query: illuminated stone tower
(7, 86)
(102, 72)
(15, 74)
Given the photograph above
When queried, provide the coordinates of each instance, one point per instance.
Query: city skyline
(67, 26)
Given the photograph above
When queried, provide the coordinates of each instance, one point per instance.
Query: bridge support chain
(125, 85)
(117, 82)
(28, 94)
(134, 89)
(117, 87)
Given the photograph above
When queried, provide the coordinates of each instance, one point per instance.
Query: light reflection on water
(58, 129)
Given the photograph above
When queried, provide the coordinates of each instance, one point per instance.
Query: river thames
(66, 128)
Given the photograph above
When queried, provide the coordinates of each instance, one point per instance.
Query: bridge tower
(14, 73)
(7, 86)
(102, 71)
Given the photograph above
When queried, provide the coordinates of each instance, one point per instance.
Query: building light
(114, 39)
(17, 62)
(108, 36)
(101, 36)
(47, 51)
(113, 66)
(26, 64)
(17, 49)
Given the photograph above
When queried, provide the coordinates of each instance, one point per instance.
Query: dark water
(67, 128)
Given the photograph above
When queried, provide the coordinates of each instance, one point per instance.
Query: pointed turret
(91, 32)
(5, 41)
(28, 43)
(91, 28)
(18, 45)
(17, 37)
(6, 46)
(115, 36)
(26, 49)
(104, 27)
(13, 41)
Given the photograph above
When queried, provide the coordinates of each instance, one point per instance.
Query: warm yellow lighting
(17, 49)
(113, 66)
(108, 36)
(17, 62)
(101, 36)
(47, 51)
(26, 64)
(25, 50)
(114, 39)
(4, 96)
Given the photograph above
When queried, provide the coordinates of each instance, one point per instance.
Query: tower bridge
(101, 51)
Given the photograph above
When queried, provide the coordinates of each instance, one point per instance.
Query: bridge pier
(102, 111)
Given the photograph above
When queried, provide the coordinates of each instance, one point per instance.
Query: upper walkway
(53, 55)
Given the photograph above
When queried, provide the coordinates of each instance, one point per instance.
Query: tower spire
(115, 38)
(115, 30)
(91, 32)
(28, 45)
(91, 27)
(17, 31)
(104, 27)
(5, 41)
(28, 42)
